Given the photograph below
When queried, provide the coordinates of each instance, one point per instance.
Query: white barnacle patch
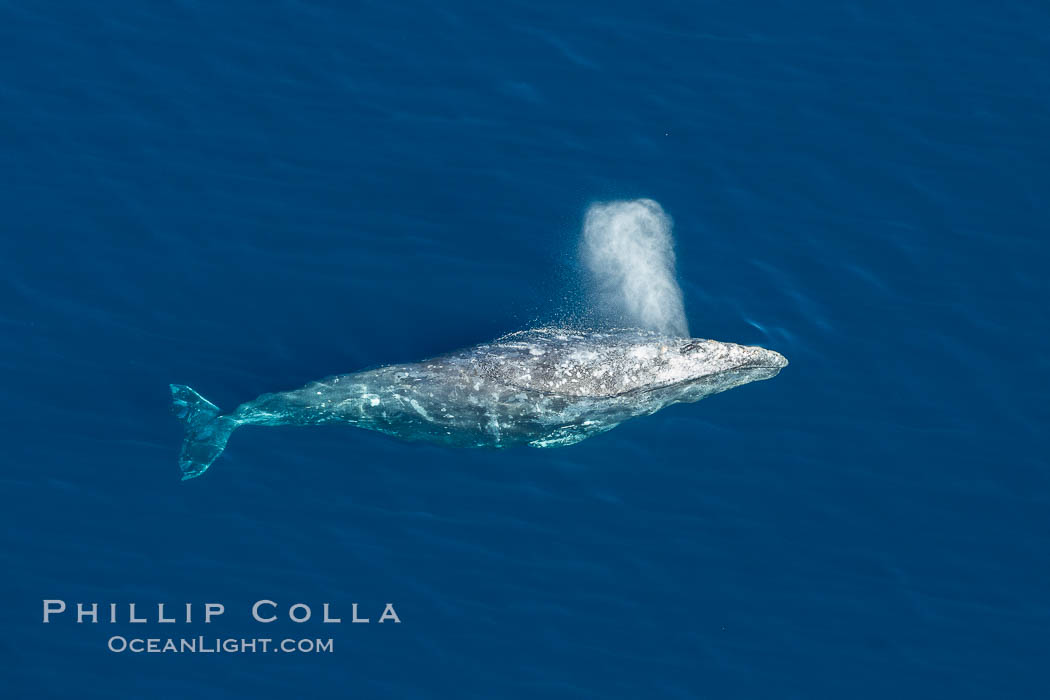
(419, 409)
(643, 352)
(494, 427)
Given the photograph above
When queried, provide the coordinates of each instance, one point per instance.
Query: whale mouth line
(645, 389)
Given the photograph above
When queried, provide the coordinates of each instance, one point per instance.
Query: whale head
(704, 367)
(620, 362)
(707, 357)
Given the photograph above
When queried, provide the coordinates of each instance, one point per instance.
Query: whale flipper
(206, 430)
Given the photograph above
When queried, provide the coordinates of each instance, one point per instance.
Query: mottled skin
(546, 387)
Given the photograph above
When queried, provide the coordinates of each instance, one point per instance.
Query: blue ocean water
(244, 197)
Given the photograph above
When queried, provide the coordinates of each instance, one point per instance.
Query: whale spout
(207, 430)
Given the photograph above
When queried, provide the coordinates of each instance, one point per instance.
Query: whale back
(579, 363)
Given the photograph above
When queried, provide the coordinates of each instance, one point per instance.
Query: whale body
(545, 387)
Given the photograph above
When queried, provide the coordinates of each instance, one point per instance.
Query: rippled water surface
(244, 197)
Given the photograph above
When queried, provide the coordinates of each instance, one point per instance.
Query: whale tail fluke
(206, 430)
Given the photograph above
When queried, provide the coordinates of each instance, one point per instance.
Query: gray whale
(546, 387)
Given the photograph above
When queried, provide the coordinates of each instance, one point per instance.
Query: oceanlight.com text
(217, 645)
